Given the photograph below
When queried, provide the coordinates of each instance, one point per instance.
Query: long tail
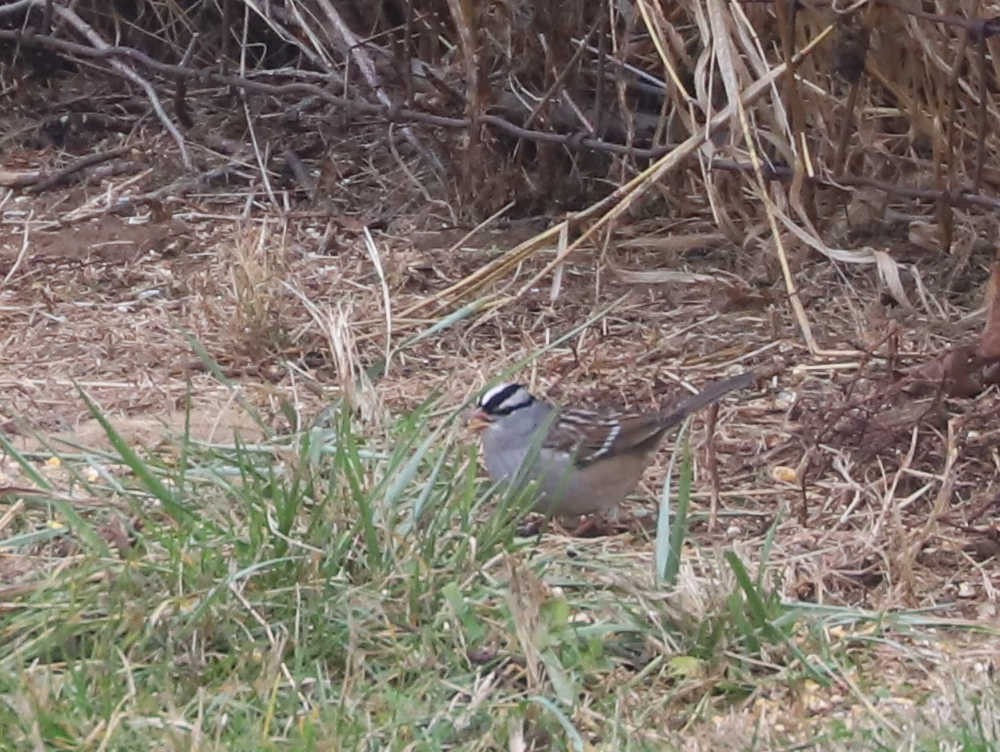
(707, 396)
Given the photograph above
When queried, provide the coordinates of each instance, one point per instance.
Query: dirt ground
(888, 494)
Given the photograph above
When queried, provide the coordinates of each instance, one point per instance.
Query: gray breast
(506, 443)
(512, 449)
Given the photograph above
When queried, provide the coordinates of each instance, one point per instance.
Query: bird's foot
(531, 527)
(598, 526)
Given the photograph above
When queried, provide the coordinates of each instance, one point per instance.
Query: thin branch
(576, 141)
(95, 39)
(45, 181)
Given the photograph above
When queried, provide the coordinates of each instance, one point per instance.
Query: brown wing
(590, 435)
(582, 433)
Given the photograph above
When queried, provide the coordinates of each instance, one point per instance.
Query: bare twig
(20, 254)
(46, 181)
(364, 63)
(95, 39)
(573, 141)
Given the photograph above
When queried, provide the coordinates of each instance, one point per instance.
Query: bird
(583, 461)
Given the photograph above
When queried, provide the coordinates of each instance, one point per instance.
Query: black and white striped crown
(504, 399)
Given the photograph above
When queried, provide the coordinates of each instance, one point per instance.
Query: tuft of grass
(257, 267)
(330, 590)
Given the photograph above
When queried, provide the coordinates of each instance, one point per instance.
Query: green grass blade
(26, 465)
(135, 463)
(572, 735)
(79, 525)
(671, 531)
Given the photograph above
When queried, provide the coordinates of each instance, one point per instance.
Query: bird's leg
(529, 527)
(599, 525)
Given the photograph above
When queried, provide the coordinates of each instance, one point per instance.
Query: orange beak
(478, 421)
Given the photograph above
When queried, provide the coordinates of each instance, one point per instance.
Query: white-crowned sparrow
(583, 461)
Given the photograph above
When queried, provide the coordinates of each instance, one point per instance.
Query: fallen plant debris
(368, 212)
(965, 370)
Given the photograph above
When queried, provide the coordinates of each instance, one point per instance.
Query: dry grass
(881, 498)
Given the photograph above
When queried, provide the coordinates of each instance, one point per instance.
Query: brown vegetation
(780, 185)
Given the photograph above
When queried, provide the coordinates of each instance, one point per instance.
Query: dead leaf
(960, 380)
(955, 373)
